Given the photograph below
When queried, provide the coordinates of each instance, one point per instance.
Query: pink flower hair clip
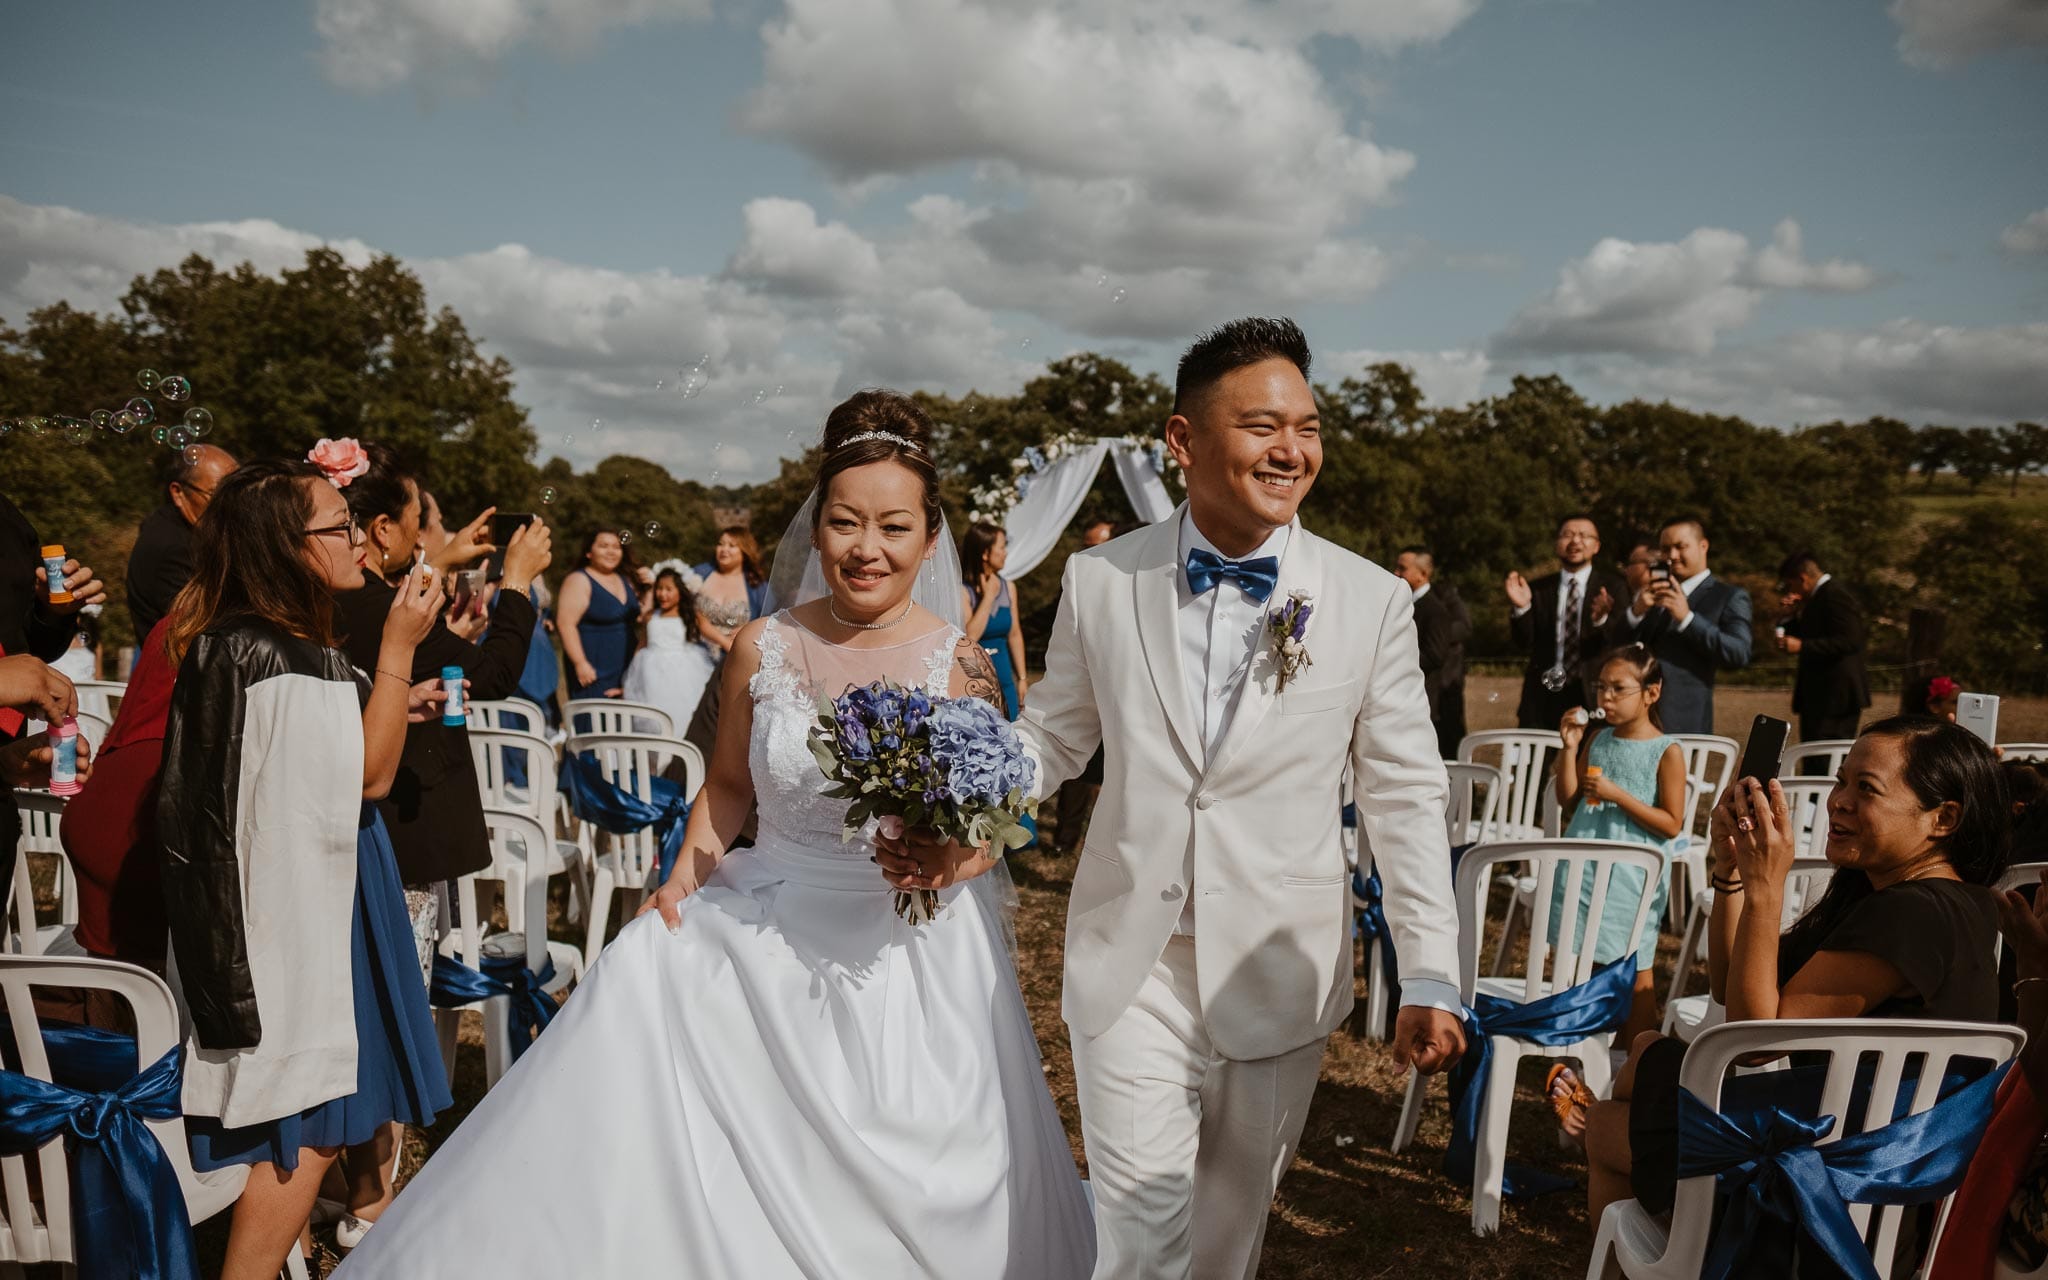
(341, 460)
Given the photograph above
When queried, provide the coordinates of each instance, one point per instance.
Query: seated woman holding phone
(1918, 831)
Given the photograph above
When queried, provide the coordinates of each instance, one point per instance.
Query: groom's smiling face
(1250, 445)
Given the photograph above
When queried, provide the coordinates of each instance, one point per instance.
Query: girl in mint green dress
(1638, 795)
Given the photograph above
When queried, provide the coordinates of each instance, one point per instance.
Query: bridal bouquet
(906, 760)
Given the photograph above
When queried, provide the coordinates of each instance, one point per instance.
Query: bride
(769, 1074)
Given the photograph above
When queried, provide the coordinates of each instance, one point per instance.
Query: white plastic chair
(1549, 968)
(41, 813)
(630, 762)
(586, 716)
(526, 914)
(538, 797)
(27, 1236)
(2037, 751)
(1477, 793)
(1685, 1016)
(1634, 1244)
(506, 713)
(1709, 762)
(1527, 809)
(99, 697)
(1829, 751)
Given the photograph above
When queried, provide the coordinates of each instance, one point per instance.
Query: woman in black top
(1918, 831)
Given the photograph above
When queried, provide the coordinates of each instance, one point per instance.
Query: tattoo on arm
(980, 675)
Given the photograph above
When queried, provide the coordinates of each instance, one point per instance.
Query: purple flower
(979, 752)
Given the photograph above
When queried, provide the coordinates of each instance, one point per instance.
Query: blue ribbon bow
(1779, 1187)
(1256, 577)
(128, 1211)
(597, 801)
(455, 984)
(1598, 1004)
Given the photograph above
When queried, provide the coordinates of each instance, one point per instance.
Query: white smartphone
(1978, 712)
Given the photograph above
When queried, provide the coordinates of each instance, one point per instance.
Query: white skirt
(795, 1084)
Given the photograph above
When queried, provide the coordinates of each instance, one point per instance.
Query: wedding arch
(1049, 483)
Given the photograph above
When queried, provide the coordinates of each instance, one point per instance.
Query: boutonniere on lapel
(1287, 625)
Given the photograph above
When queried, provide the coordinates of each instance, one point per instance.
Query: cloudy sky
(701, 221)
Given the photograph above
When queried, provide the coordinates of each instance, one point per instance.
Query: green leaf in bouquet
(827, 758)
(1016, 835)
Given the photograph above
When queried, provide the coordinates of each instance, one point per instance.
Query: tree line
(329, 349)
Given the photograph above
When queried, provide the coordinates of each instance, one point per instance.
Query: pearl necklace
(832, 607)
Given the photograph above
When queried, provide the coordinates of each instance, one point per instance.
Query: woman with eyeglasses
(309, 1027)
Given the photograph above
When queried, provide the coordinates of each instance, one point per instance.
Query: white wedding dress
(794, 1084)
(670, 671)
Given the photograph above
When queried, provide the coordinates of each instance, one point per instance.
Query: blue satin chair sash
(1781, 1190)
(1598, 1004)
(595, 800)
(455, 984)
(128, 1211)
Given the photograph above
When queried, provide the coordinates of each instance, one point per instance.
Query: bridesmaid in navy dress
(992, 617)
(594, 616)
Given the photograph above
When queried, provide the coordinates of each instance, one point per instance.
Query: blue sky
(1795, 212)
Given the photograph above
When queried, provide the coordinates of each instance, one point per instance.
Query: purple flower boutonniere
(1288, 626)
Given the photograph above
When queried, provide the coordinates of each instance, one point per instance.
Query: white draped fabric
(1034, 525)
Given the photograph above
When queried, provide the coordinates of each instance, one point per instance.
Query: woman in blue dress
(594, 617)
(308, 1026)
(991, 607)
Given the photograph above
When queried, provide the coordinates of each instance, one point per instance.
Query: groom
(1208, 950)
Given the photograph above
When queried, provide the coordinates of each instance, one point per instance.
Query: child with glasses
(1637, 794)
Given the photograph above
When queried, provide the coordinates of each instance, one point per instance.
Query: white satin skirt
(794, 1084)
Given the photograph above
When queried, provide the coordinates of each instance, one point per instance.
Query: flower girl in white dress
(769, 1074)
(673, 668)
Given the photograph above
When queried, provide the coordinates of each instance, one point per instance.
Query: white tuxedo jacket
(1252, 830)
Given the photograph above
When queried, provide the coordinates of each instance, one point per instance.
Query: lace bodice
(798, 668)
(664, 632)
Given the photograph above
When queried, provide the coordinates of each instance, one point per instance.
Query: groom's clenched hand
(923, 859)
(1429, 1040)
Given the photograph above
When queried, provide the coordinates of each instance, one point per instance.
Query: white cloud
(375, 44)
(585, 342)
(1947, 33)
(1670, 298)
(786, 249)
(1446, 378)
(1905, 369)
(2028, 235)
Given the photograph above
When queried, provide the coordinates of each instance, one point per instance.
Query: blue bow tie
(1256, 578)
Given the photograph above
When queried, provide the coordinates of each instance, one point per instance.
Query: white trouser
(1185, 1148)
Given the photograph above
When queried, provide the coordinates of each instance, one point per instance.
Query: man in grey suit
(1694, 622)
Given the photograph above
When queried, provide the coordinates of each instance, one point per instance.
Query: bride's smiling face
(872, 539)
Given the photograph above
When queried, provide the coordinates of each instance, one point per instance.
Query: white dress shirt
(1219, 631)
(1420, 591)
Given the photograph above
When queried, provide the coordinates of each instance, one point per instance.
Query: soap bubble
(778, 388)
(1493, 697)
(625, 537)
(144, 411)
(1024, 345)
(568, 438)
(179, 437)
(103, 418)
(547, 495)
(175, 388)
(124, 422)
(194, 455)
(661, 384)
(654, 528)
(158, 434)
(199, 420)
(597, 424)
(1118, 296)
(760, 395)
(37, 425)
(146, 379)
(77, 430)
(6, 426)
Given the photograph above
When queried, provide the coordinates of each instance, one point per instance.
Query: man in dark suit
(1442, 626)
(1828, 635)
(161, 563)
(1694, 622)
(1565, 613)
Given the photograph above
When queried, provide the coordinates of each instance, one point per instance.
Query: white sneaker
(351, 1231)
(326, 1211)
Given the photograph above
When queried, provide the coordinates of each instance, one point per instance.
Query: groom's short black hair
(1233, 346)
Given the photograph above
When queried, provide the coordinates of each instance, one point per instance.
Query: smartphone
(1978, 712)
(503, 526)
(469, 586)
(1766, 744)
(1660, 572)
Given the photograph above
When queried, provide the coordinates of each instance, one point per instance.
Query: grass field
(1348, 1208)
(1949, 497)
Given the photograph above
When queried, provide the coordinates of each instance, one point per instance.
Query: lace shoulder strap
(775, 678)
(939, 666)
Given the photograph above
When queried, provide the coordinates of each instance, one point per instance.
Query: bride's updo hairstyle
(880, 426)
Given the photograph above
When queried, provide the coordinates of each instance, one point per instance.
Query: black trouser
(1825, 729)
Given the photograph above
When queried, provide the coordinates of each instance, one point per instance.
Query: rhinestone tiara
(890, 436)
